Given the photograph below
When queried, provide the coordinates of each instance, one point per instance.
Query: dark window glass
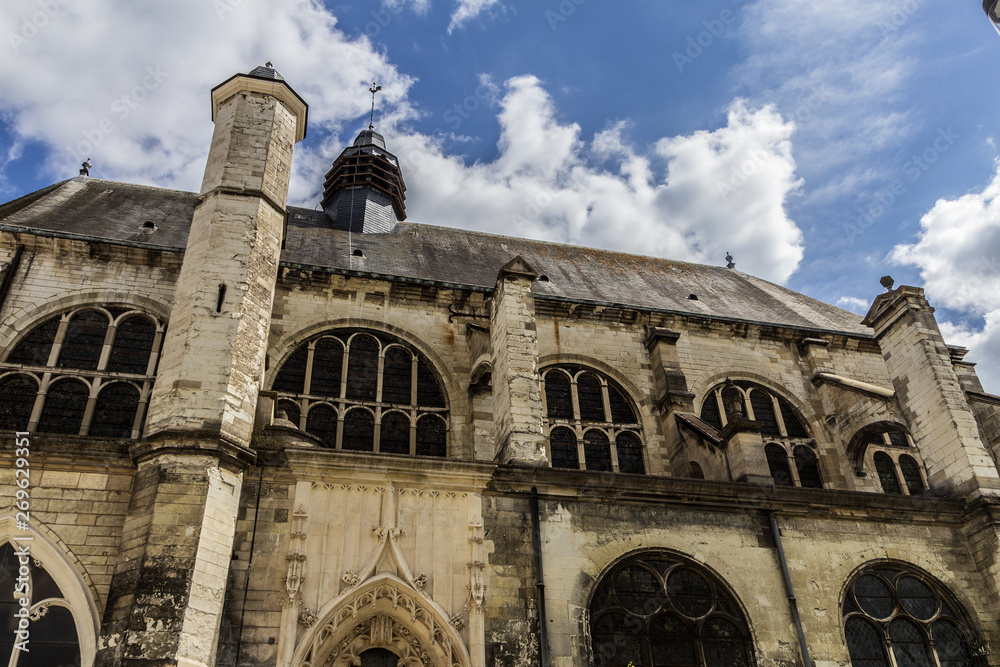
(808, 467)
(328, 364)
(432, 436)
(397, 376)
(864, 644)
(114, 412)
(564, 450)
(558, 400)
(133, 346)
(951, 646)
(689, 593)
(379, 657)
(81, 348)
(672, 643)
(621, 409)
(292, 376)
(64, 407)
(887, 474)
(35, 348)
(874, 596)
(724, 644)
(908, 644)
(793, 425)
(53, 641)
(763, 412)
(17, 398)
(359, 430)
(322, 422)
(696, 471)
(291, 410)
(428, 390)
(638, 617)
(591, 397)
(362, 368)
(617, 641)
(777, 461)
(898, 439)
(394, 435)
(917, 598)
(597, 450)
(710, 411)
(629, 453)
(911, 475)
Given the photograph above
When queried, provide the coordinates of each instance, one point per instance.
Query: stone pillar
(745, 451)
(517, 395)
(168, 588)
(930, 394)
(672, 396)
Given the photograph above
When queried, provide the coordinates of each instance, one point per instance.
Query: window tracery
(53, 639)
(591, 425)
(895, 616)
(789, 450)
(895, 462)
(364, 391)
(85, 372)
(661, 609)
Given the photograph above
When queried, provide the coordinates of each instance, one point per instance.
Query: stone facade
(342, 453)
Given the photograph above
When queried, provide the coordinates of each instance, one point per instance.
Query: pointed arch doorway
(379, 657)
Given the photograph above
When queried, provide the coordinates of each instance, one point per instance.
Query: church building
(237, 433)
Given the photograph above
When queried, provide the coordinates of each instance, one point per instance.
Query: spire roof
(266, 71)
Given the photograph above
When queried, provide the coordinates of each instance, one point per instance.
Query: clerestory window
(591, 424)
(790, 452)
(896, 616)
(364, 391)
(85, 372)
(896, 464)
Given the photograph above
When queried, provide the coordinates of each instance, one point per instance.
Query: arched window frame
(48, 372)
(580, 427)
(77, 593)
(306, 401)
(947, 609)
(779, 406)
(895, 453)
(724, 605)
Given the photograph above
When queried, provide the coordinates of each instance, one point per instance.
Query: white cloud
(691, 197)
(958, 254)
(468, 10)
(854, 304)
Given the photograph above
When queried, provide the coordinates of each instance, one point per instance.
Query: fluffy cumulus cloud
(470, 9)
(138, 106)
(958, 254)
(137, 99)
(854, 303)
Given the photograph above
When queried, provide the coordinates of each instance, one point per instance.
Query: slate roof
(112, 212)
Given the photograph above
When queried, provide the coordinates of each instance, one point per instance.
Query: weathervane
(374, 89)
(729, 262)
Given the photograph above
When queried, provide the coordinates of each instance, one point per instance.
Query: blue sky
(823, 144)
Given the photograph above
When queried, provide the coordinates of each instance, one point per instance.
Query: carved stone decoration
(420, 582)
(307, 618)
(40, 611)
(351, 579)
(296, 558)
(380, 632)
(477, 584)
(457, 621)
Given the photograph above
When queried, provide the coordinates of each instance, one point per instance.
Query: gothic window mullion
(607, 404)
(140, 411)
(60, 338)
(748, 410)
(780, 418)
(379, 380)
(414, 378)
(88, 413)
(36, 409)
(575, 399)
(414, 417)
(793, 466)
(900, 476)
(307, 382)
(109, 339)
(341, 411)
(581, 452)
(612, 437)
(723, 417)
(154, 356)
(376, 439)
(344, 370)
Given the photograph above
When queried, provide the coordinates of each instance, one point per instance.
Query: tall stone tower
(179, 531)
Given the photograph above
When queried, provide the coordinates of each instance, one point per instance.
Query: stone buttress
(168, 587)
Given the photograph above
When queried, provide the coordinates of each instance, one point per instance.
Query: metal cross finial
(730, 264)
(374, 89)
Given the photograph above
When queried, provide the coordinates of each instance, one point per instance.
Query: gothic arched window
(591, 424)
(661, 609)
(364, 391)
(85, 372)
(789, 450)
(894, 615)
(887, 450)
(52, 636)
